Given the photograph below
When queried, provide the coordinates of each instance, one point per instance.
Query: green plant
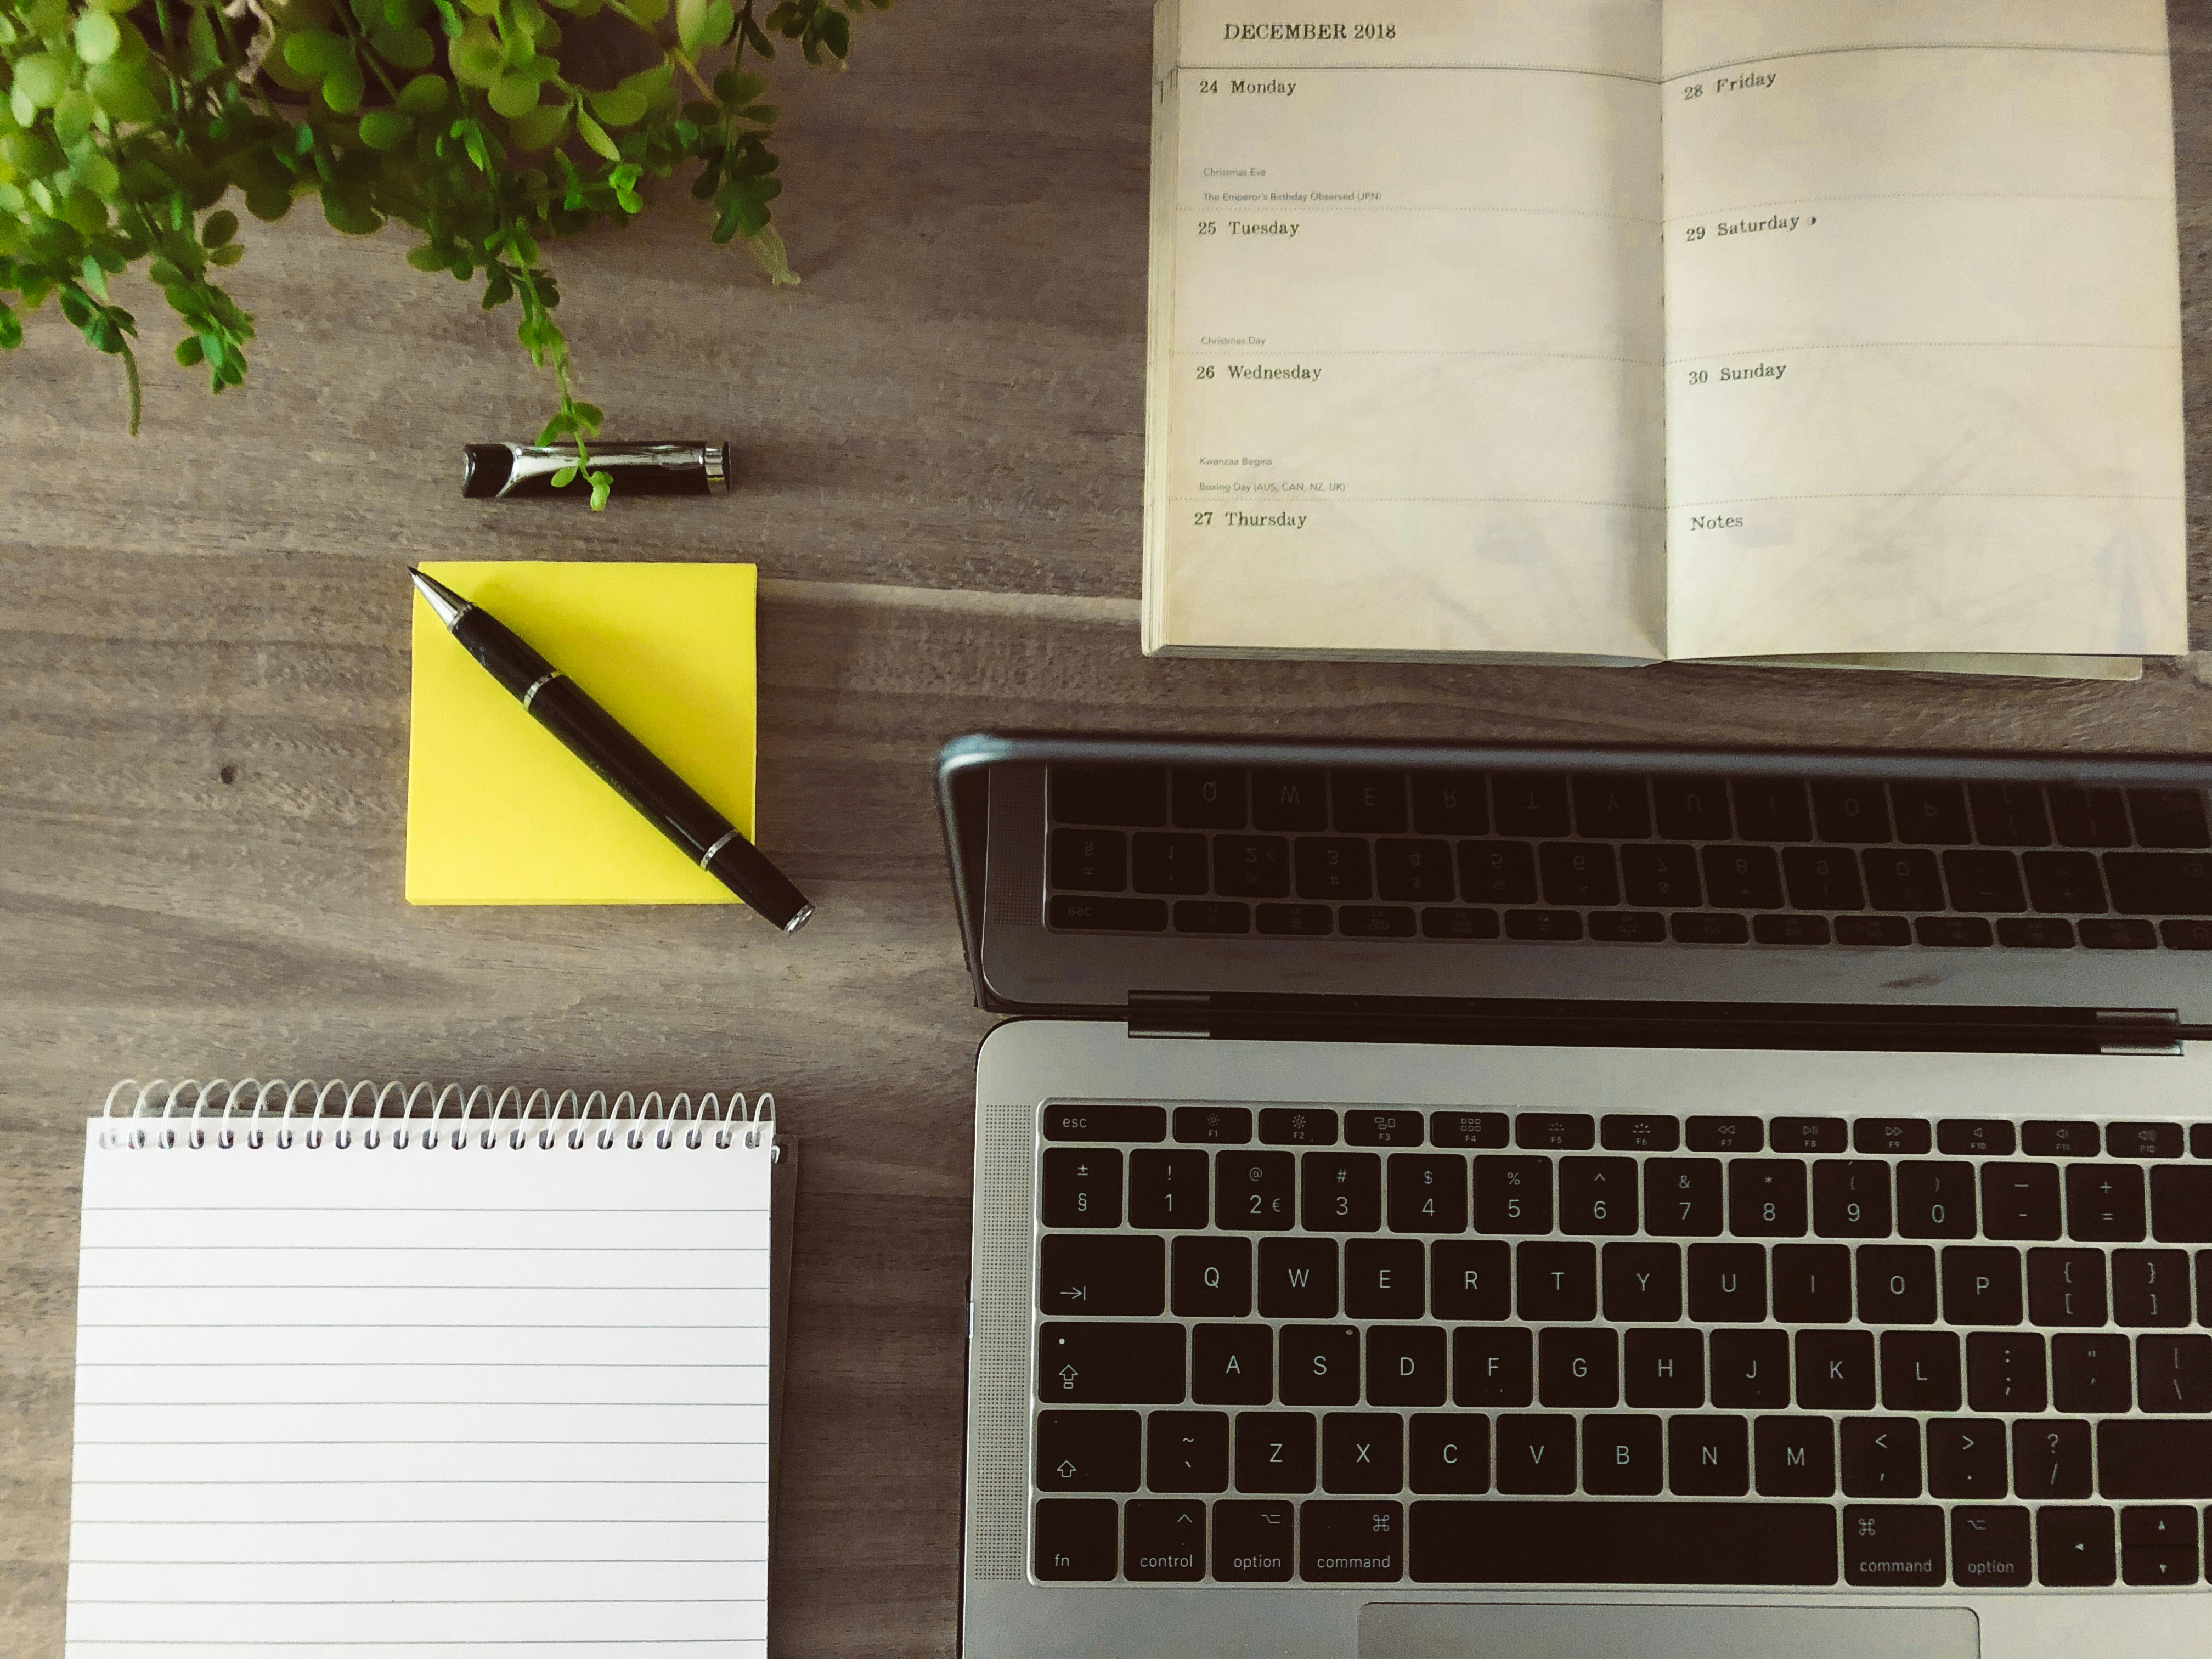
(124, 124)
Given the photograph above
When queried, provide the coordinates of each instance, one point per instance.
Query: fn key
(1075, 1538)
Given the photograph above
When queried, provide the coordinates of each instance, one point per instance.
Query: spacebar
(1498, 1542)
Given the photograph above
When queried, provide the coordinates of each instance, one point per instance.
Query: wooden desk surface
(204, 707)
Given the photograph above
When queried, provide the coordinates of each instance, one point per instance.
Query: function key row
(1626, 806)
(1620, 1132)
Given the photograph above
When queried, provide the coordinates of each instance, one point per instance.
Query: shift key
(1110, 1364)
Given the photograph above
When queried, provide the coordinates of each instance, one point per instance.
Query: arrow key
(2148, 1566)
(2074, 1545)
(1083, 1275)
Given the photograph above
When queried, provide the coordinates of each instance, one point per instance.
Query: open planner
(1615, 331)
(491, 1377)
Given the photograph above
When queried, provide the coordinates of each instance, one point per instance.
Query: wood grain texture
(203, 707)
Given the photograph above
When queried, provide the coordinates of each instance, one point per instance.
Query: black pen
(624, 764)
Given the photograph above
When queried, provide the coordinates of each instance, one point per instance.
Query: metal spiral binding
(162, 1114)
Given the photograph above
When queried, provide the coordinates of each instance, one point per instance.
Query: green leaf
(644, 13)
(426, 258)
(11, 328)
(97, 37)
(268, 205)
(836, 33)
(189, 353)
(318, 51)
(623, 106)
(342, 89)
(476, 56)
(385, 129)
(95, 278)
(767, 248)
(354, 218)
(514, 95)
(406, 47)
(229, 254)
(42, 79)
(424, 96)
(602, 485)
(203, 54)
(540, 129)
(98, 175)
(736, 89)
(218, 228)
(596, 136)
(713, 27)
(565, 476)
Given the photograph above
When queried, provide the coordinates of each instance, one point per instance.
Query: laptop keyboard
(1378, 1346)
(1621, 858)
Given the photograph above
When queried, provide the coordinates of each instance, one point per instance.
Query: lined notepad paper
(375, 1399)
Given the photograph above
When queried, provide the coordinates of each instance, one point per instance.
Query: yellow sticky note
(499, 812)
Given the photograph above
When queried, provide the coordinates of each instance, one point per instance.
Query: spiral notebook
(381, 1371)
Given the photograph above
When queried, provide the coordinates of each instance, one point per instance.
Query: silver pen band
(540, 684)
(708, 857)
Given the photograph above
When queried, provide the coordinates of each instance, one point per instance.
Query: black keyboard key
(1742, 878)
(1107, 915)
(1343, 1192)
(1854, 810)
(1966, 1458)
(1496, 872)
(1570, 1132)
(2169, 818)
(2074, 1547)
(1168, 863)
(1872, 930)
(1275, 1451)
(1989, 1546)
(1897, 1285)
(1850, 1197)
(1902, 878)
(1083, 1121)
(1881, 1456)
(1934, 1199)
(2105, 1201)
(1375, 921)
(1577, 1366)
(1611, 806)
(1332, 867)
(1383, 1279)
(2065, 882)
(1405, 1366)
(1252, 1542)
(1255, 1192)
(1212, 916)
(1532, 803)
(1082, 1189)
(1726, 1135)
(2185, 935)
(1076, 1538)
(1628, 1131)
(2150, 1288)
(1296, 920)
(1450, 803)
(1087, 1451)
(1811, 1284)
(1459, 924)
(1986, 882)
(1663, 1367)
(1232, 1365)
(1981, 1284)
(1560, 925)
(1628, 928)
(1698, 927)
(1597, 1195)
(1414, 871)
(2159, 1527)
(1362, 1451)
(1374, 1128)
(1368, 802)
(2009, 814)
(1298, 1126)
(1975, 1137)
(1210, 1278)
(1693, 808)
(2053, 1137)
(1536, 1455)
(1163, 1541)
(2181, 1202)
(1579, 873)
(2005, 1372)
(1892, 1544)
(1091, 860)
(1728, 1284)
(1320, 1365)
(2066, 1287)
(1493, 1365)
(1835, 1371)
(1903, 1135)
(2050, 1457)
(1808, 1134)
(1110, 1365)
(1794, 1457)
(1348, 1543)
(1134, 796)
(2088, 818)
(2020, 1200)
(1556, 1281)
(1770, 809)
(2035, 933)
(1208, 797)
(2157, 1566)
(1663, 877)
(2154, 1457)
(1621, 1456)
(1297, 1279)
(2090, 1373)
(1470, 1129)
(1751, 1370)
(1289, 798)
(1823, 879)
(1101, 1275)
(2144, 1141)
(1252, 866)
(1428, 1192)
(1766, 1197)
(1513, 1194)
(1205, 1126)
(1682, 1196)
(1471, 1279)
(1623, 1542)
(1930, 814)
(2200, 1140)
(1920, 1370)
(1187, 1451)
(1447, 1452)
(2173, 1373)
(1789, 930)
(2159, 884)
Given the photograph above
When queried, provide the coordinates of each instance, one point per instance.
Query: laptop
(1439, 1200)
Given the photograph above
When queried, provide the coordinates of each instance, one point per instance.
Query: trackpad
(1439, 1631)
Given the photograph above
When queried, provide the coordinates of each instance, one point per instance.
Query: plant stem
(131, 377)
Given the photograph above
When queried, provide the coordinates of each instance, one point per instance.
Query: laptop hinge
(1170, 1014)
(2138, 1031)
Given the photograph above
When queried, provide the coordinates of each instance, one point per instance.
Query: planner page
(1923, 329)
(1404, 394)
(349, 1399)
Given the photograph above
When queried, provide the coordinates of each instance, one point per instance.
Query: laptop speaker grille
(1004, 1160)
